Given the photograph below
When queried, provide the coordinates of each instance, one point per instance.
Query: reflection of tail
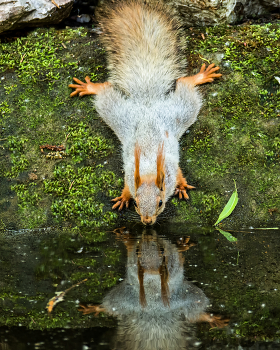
(153, 333)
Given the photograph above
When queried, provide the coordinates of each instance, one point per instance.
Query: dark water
(156, 287)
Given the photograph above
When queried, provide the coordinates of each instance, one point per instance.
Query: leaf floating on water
(59, 296)
(231, 204)
(55, 300)
(228, 236)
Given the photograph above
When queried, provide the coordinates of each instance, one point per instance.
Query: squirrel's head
(149, 190)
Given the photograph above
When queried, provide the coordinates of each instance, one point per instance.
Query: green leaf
(231, 204)
(228, 236)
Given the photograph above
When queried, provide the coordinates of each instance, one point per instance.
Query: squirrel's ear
(160, 169)
(137, 178)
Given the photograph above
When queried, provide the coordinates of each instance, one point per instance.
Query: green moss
(35, 59)
(82, 144)
(35, 110)
(56, 261)
(76, 193)
(237, 134)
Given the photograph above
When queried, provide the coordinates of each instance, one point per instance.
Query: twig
(71, 185)
(204, 59)
(33, 320)
(67, 136)
(22, 58)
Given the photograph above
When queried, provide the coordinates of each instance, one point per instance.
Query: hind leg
(215, 321)
(87, 88)
(204, 76)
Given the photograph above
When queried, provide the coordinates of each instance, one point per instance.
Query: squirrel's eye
(160, 203)
(134, 202)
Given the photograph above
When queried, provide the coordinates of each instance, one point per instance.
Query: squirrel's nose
(147, 220)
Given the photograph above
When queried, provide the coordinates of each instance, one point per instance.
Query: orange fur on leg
(123, 199)
(204, 76)
(182, 185)
(87, 88)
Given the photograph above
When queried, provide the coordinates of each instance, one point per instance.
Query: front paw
(219, 322)
(207, 75)
(120, 202)
(123, 199)
(183, 244)
(181, 189)
(81, 88)
(96, 309)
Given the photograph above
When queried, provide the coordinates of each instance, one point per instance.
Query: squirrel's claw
(217, 321)
(81, 89)
(207, 75)
(121, 201)
(96, 309)
(184, 245)
(87, 88)
(182, 186)
(182, 193)
(181, 190)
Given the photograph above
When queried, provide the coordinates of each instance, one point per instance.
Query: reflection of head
(153, 259)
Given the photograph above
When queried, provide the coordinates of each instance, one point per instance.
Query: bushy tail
(143, 45)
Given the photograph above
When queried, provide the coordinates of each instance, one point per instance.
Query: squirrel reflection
(154, 304)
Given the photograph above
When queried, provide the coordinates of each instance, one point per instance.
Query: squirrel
(147, 101)
(154, 304)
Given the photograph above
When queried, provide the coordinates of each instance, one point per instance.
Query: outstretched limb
(123, 199)
(182, 186)
(204, 76)
(90, 309)
(87, 88)
(125, 236)
(214, 321)
(183, 244)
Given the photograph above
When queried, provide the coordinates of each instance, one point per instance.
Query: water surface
(235, 281)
